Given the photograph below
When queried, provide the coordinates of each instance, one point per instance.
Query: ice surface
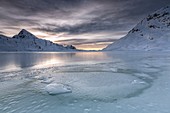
(98, 82)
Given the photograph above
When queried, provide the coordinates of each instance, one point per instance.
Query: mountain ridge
(152, 33)
(26, 41)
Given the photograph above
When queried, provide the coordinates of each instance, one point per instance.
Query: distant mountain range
(152, 33)
(25, 41)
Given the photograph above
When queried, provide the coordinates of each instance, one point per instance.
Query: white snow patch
(54, 89)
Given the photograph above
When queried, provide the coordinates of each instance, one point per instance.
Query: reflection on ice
(85, 82)
(43, 60)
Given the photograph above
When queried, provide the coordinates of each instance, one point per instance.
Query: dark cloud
(1, 32)
(117, 15)
(30, 7)
(85, 41)
(98, 24)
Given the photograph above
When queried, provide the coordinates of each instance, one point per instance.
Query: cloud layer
(75, 21)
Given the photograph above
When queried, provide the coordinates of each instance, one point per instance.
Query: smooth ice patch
(101, 86)
(54, 89)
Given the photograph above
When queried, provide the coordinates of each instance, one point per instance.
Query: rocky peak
(160, 19)
(24, 34)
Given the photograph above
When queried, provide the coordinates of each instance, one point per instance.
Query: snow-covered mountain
(25, 41)
(152, 33)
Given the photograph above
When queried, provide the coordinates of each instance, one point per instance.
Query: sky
(86, 24)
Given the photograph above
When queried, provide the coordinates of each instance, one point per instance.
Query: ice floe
(54, 89)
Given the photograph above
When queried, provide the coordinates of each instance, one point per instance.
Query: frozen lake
(85, 82)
